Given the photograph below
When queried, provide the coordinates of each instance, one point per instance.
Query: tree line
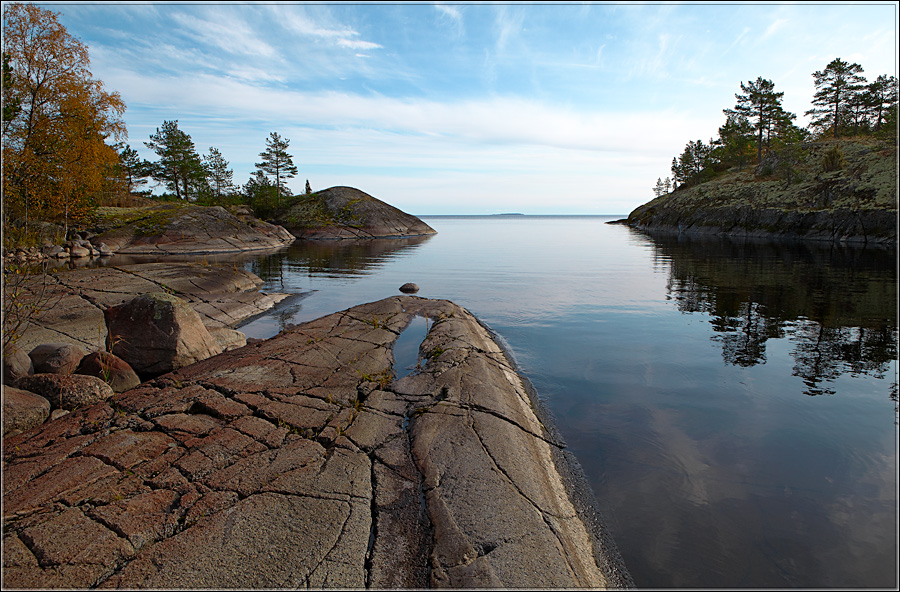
(207, 179)
(63, 139)
(759, 128)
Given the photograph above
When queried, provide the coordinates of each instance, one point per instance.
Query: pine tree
(882, 95)
(179, 166)
(659, 188)
(259, 192)
(835, 85)
(277, 162)
(134, 168)
(218, 175)
(761, 106)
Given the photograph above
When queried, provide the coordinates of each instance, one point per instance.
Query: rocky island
(346, 213)
(841, 191)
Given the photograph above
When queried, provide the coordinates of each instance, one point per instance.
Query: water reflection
(836, 305)
(333, 258)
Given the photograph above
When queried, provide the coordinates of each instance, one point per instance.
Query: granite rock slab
(301, 461)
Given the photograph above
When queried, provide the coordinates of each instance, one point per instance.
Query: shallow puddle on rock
(406, 347)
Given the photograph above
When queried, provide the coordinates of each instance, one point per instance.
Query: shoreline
(393, 426)
(419, 415)
(570, 470)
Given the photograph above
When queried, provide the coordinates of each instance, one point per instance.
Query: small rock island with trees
(764, 176)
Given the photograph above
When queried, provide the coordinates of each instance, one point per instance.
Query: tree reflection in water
(836, 304)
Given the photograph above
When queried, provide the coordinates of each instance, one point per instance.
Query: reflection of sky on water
(678, 374)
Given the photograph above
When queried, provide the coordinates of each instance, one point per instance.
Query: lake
(733, 404)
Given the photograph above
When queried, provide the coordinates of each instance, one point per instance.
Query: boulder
(77, 251)
(16, 364)
(157, 333)
(22, 410)
(111, 369)
(223, 295)
(67, 391)
(56, 358)
(228, 339)
(409, 288)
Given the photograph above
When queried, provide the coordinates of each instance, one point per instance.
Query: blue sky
(467, 108)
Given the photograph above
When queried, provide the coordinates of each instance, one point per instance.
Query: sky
(466, 108)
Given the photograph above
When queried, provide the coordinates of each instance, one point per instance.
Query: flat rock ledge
(301, 461)
(75, 300)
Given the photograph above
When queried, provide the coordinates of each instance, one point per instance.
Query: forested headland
(835, 179)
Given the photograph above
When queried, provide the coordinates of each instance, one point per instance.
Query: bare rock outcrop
(348, 213)
(178, 229)
(73, 301)
(301, 461)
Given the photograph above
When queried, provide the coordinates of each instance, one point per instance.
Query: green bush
(833, 160)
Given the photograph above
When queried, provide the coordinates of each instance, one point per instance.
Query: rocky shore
(853, 202)
(303, 461)
(74, 301)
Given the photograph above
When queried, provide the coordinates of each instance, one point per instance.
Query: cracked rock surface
(75, 299)
(301, 461)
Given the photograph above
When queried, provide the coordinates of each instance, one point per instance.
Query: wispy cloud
(230, 35)
(774, 28)
(357, 44)
(454, 16)
(342, 36)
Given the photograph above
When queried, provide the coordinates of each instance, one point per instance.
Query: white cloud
(342, 36)
(454, 15)
(357, 44)
(230, 35)
(773, 28)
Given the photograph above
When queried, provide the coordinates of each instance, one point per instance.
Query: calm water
(734, 407)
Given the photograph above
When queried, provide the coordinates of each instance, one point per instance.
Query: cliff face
(856, 203)
(345, 212)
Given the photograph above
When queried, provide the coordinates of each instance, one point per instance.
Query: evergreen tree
(689, 166)
(835, 86)
(135, 170)
(735, 141)
(660, 188)
(882, 95)
(277, 162)
(761, 106)
(260, 194)
(179, 166)
(218, 175)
